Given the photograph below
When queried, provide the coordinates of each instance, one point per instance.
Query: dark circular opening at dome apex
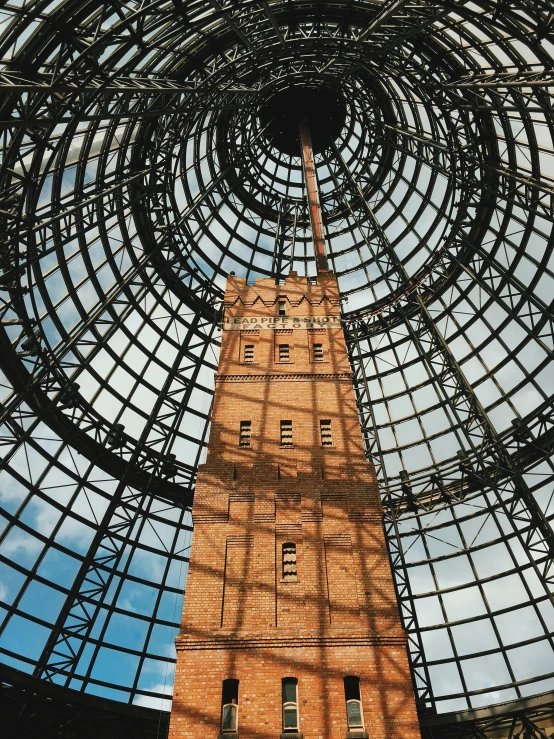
(324, 108)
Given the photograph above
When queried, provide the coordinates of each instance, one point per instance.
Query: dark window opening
(282, 308)
(284, 353)
(326, 433)
(318, 352)
(286, 433)
(249, 352)
(290, 704)
(245, 433)
(353, 702)
(229, 706)
(289, 562)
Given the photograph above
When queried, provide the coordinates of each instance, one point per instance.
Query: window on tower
(290, 704)
(318, 352)
(284, 353)
(353, 703)
(230, 706)
(248, 346)
(286, 433)
(282, 307)
(326, 432)
(245, 433)
(290, 573)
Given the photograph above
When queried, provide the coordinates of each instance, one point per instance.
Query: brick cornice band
(232, 642)
(290, 376)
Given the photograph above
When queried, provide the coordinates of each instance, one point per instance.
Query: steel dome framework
(137, 171)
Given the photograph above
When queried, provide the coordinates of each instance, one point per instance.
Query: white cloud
(161, 704)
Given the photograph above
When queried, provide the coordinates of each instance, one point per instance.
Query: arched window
(353, 702)
(230, 706)
(290, 704)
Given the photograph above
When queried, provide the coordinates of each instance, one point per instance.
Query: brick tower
(290, 625)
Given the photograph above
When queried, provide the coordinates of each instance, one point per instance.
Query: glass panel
(229, 720)
(290, 717)
(354, 710)
(289, 691)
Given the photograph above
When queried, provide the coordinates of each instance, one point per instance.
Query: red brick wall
(241, 618)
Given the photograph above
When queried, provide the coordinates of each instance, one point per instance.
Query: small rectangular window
(326, 433)
(284, 352)
(282, 307)
(248, 353)
(353, 702)
(245, 433)
(290, 704)
(229, 707)
(286, 433)
(318, 352)
(289, 562)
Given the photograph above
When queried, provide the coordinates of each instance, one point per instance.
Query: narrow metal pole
(314, 206)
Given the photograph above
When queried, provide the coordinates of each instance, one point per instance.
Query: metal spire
(314, 206)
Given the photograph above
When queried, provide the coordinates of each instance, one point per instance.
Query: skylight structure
(144, 158)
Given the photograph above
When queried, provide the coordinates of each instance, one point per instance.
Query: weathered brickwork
(243, 618)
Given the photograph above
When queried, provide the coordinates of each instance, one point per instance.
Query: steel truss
(46, 104)
(533, 718)
(35, 708)
(41, 708)
(135, 176)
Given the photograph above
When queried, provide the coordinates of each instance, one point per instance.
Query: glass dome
(142, 162)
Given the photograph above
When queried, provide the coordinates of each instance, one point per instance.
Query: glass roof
(137, 173)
